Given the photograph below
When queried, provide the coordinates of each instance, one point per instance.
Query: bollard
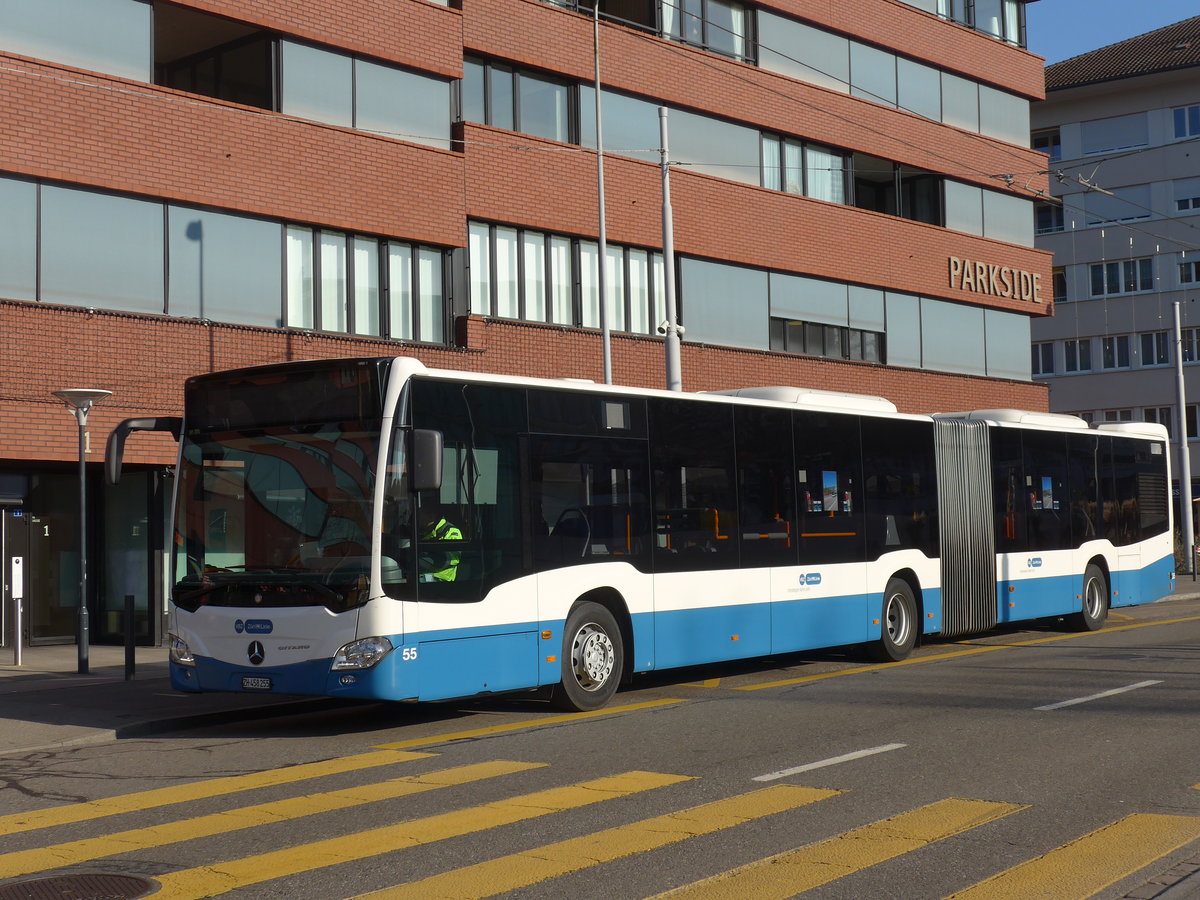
(129, 637)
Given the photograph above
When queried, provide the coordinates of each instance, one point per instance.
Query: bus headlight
(362, 654)
(179, 652)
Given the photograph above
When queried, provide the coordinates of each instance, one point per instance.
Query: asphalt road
(1023, 763)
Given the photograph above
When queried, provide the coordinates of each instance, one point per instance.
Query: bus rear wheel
(898, 623)
(1094, 608)
(593, 657)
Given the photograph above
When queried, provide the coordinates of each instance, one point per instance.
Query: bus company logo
(254, 626)
(811, 578)
(1034, 562)
(256, 653)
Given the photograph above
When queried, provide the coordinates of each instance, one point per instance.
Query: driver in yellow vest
(439, 566)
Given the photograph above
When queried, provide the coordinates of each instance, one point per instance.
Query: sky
(1060, 29)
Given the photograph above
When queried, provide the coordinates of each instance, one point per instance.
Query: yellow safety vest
(444, 531)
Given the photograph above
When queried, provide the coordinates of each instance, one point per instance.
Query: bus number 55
(408, 653)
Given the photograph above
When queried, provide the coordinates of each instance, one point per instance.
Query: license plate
(255, 683)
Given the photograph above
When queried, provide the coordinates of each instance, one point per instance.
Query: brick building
(203, 184)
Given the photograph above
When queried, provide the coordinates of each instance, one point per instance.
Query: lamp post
(80, 401)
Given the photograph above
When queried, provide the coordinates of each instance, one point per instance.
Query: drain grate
(79, 887)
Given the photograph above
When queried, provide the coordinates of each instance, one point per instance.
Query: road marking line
(525, 723)
(958, 654)
(1100, 696)
(796, 871)
(199, 790)
(26, 862)
(219, 877)
(521, 870)
(1091, 863)
(832, 761)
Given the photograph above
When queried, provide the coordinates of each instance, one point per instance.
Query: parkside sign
(995, 281)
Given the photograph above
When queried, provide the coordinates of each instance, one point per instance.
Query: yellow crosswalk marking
(219, 877)
(524, 869)
(38, 860)
(199, 790)
(523, 724)
(1088, 865)
(791, 873)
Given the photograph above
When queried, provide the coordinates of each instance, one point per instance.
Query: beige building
(1121, 127)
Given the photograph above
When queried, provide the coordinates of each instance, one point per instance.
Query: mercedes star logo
(256, 653)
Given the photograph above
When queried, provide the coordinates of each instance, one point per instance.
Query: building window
(1042, 362)
(1163, 415)
(1189, 414)
(1078, 355)
(1128, 277)
(1154, 349)
(1125, 204)
(1001, 19)
(534, 276)
(1049, 142)
(1058, 277)
(830, 341)
(516, 100)
(215, 57)
(718, 25)
(801, 168)
(1118, 415)
(110, 36)
(1115, 352)
(1115, 133)
(1187, 121)
(1048, 217)
(1189, 339)
(362, 285)
(1189, 272)
(884, 186)
(1187, 194)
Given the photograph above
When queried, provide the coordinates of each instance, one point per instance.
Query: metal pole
(1185, 462)
(82, 635)
(130, 636)
(602, 274)
(674, 379)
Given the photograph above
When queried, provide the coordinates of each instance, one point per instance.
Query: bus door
(707, 607)
(476, 613)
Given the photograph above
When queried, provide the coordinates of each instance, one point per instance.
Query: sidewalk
(45, 704)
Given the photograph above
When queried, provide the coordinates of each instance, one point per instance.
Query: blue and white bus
(372, 528)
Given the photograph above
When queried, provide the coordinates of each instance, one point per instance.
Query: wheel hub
(592, 657)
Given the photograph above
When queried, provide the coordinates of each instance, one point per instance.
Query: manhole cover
(79, 887)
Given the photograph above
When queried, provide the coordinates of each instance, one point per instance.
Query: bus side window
(695, 510)
(829, 485)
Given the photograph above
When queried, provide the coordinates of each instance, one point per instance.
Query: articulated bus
(372, 528)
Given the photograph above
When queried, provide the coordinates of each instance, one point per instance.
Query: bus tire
(593, 658)
(898, 623)
(1094, 608)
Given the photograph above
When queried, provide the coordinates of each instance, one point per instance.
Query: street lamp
(80, 401)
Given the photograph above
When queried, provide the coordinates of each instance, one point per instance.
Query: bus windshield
(279, 513)
(271, 506)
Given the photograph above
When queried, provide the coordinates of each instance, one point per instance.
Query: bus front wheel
(898, 623)
(592, 659)
(1094, 609)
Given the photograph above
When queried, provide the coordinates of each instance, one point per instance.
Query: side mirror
(116, 441)
(425, 470)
